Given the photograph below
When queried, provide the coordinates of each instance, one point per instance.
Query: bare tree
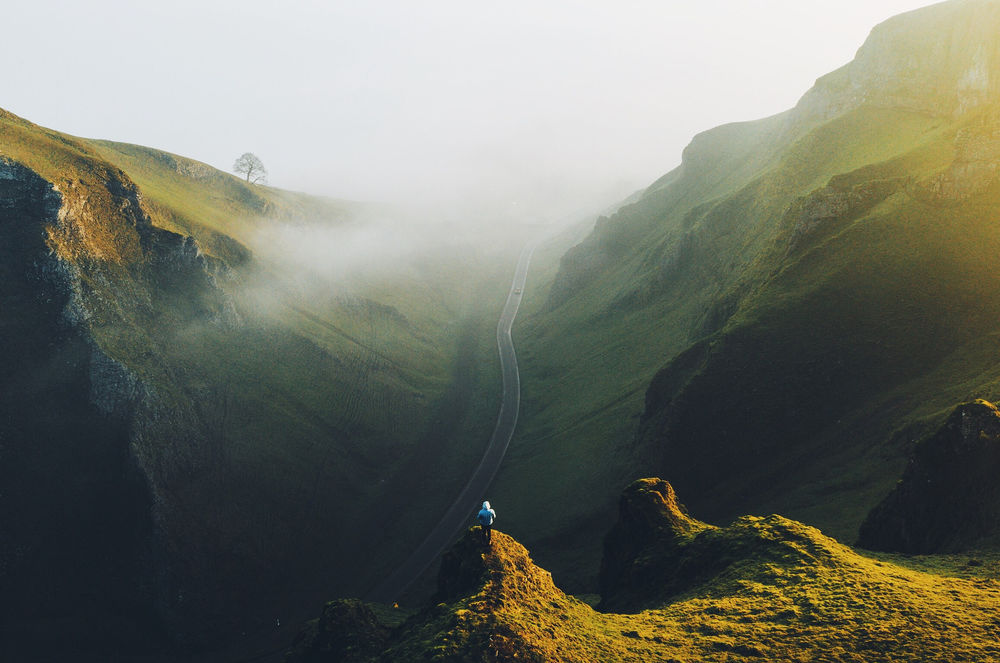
(250, 165)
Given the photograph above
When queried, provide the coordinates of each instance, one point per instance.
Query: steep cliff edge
(78, 548)
(95, 440)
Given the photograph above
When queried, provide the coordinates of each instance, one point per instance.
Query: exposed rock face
(463, 569)
(95, 450)
(651, 524)
(75, 509)
(949, 497)
(835, 203)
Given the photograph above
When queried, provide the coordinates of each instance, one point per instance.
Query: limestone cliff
(78, 509)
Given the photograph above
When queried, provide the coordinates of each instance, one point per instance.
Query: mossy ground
(808, 599)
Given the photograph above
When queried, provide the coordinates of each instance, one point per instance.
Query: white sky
(555, 104)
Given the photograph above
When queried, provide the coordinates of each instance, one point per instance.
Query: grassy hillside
(775, 322)
(769, 589)
(843, 346)
(261, 415)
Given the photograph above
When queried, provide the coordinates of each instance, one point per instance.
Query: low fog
(378, 245)
(371, 245)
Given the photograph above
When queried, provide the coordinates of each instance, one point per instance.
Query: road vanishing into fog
(461, 513)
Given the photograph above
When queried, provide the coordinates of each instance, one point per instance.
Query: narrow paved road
(460, 515)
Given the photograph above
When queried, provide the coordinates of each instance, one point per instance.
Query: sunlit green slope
(772, 324)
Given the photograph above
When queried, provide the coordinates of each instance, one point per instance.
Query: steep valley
(206, 432)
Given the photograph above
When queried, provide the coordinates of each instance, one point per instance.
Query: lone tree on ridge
(251, 165)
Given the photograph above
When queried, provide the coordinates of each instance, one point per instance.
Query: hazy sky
(543, 102)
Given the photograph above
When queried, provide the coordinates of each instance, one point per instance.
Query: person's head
(486, 505)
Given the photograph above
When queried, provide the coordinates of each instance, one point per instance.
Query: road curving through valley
(460, 514)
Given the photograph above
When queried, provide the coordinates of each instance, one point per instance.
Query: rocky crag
(948, 499)
(78, 508)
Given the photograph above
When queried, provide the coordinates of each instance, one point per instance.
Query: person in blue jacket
(486, 516)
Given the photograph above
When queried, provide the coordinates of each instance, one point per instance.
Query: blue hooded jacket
(486, 515)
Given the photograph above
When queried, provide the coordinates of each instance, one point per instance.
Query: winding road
(460, 514)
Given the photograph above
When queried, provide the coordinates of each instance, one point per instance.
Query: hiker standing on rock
(486, 516)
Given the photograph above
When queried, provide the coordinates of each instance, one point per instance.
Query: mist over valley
(731, 399)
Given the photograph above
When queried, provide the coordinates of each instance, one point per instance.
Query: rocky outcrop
(842, 200)
(656, 551)
(948, 498)
(651, 523)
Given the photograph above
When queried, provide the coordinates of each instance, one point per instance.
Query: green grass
(790, 594)
(858, 337)
(670, 270)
